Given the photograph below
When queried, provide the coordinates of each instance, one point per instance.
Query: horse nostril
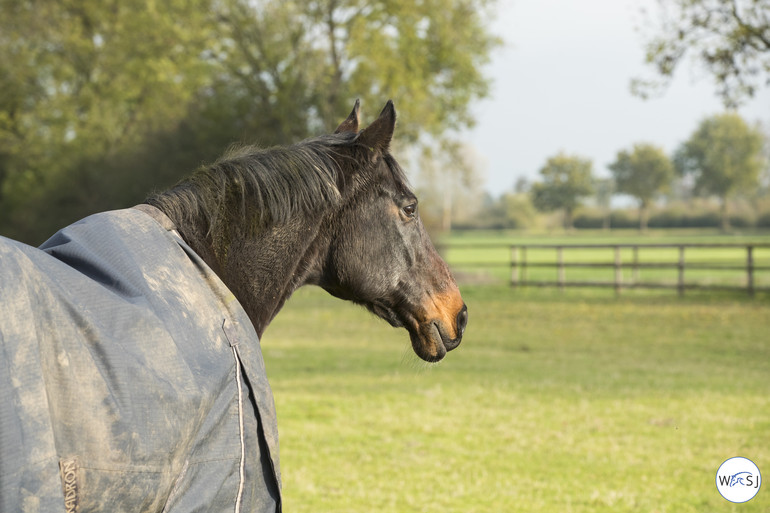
(462, 321)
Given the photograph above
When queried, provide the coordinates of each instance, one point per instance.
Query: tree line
(730, 41)
(104, 101)
(724, 158)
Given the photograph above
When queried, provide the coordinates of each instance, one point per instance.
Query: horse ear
(377, 136)
(351, 123)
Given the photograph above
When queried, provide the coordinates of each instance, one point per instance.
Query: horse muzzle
(433, 339)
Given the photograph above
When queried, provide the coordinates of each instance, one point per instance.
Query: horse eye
(410, 210)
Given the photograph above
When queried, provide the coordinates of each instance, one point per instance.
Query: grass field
(554, 402)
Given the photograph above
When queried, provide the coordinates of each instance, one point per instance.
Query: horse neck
(263, 270)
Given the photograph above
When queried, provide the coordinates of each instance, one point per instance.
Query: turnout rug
(131, 379)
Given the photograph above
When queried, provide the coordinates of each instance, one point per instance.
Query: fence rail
(744, 263)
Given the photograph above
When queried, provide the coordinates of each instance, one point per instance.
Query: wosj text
(739, 479)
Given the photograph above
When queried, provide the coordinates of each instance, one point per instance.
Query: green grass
(573, 402)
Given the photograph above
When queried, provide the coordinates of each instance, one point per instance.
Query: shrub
(763, 221)
(622, 219)
(588, 222)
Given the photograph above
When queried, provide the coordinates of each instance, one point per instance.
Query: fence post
(750, 270)
(680, 280)
(523, 278)
(618, 271)
(560, 260)
(635, 275)
(514, 266)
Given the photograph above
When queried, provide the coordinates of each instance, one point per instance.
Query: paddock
(556, 401)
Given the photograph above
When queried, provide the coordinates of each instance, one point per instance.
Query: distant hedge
(670, 219)
(763, 221)
(619, 219)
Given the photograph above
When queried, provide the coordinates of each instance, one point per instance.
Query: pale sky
(561, 82)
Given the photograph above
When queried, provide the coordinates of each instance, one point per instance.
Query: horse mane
(267, 186)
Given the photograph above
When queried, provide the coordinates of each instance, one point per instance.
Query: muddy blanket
(130, 377)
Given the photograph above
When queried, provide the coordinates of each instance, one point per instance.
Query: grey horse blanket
(130, 377)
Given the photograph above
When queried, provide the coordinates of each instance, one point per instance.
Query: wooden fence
(520, 265)
(680, 266)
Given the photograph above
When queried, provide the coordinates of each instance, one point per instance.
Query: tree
(565, 180)
(81, 82)
(724, 156)
(302, 63)
(604, 188)
(94, 94)
(643, 173)
(731, 38)
(519, 211)
(450, 179)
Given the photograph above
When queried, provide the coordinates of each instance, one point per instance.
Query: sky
(561, 82)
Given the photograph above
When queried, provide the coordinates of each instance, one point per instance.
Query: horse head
(333, 211)
(379, 254)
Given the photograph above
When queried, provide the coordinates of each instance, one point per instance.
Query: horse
(132, 378)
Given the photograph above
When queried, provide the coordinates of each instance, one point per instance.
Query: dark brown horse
(333, 211)
(130, 377)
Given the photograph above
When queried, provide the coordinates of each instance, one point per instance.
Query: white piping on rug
(242, 469)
